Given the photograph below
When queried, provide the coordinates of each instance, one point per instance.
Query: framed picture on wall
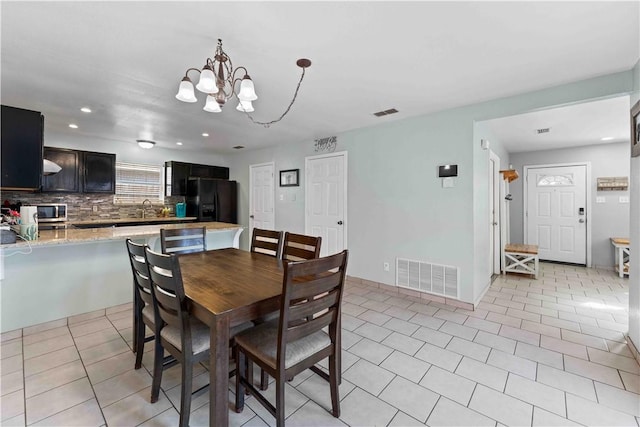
(289, 178)
(635, 130)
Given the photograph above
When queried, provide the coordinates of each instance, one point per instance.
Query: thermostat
(446, 171)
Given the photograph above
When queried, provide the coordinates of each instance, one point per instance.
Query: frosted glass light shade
(247, 90)
(245, 107)
(212, 105)
(207, 83)
(145, 144)
(185, 91)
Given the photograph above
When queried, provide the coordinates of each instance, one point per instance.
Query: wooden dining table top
(232, 282)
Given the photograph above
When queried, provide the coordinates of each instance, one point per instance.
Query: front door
(556, 216)
(261, 200)
(326, 201)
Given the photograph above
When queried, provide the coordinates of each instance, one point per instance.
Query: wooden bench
(621, 245)
(521, 259)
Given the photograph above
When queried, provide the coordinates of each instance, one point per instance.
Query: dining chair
(267, 242)
(143, 312)
(183, 336)
(183, 240)
(298, 247)
(310, 303)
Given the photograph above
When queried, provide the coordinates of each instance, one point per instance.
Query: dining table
(228, 287)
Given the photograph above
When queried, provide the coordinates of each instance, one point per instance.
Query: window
(136, 182)
(555, 180)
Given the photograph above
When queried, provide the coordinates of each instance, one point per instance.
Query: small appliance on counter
(29, 222)
(181, 210)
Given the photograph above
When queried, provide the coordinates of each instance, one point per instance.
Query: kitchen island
(73, 271)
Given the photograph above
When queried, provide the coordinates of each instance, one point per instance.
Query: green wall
(396, 204)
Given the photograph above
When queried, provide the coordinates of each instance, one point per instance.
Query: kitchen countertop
(127, 220)
(82, 235)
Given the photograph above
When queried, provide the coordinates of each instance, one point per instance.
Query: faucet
(144, 206)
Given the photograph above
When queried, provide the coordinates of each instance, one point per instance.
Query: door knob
(339, 222)
(581, 220)
(251, 216)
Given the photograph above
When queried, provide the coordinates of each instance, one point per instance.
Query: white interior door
(262, 197)
(326, 201)
(556, 216)
(494, 212)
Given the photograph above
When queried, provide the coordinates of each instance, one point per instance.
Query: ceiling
(570, 126)
(124, 60)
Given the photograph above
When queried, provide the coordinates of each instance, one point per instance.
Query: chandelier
(221, 82)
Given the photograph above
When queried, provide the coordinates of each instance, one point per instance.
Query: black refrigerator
(212, 199)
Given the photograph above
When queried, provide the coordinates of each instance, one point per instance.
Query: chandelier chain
(295, 95)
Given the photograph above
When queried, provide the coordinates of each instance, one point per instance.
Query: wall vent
(427, 277)
(385, 112)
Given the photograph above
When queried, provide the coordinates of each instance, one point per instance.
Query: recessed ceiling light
(178, 143)
(205, 134)
(606, 138)
(73, 126)
(85, 109)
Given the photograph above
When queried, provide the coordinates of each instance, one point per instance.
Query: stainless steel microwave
(52, 212)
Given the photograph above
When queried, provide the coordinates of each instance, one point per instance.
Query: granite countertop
(127, 220)
(82, 235)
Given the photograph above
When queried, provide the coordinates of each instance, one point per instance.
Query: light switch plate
(281, 197)
(624, 199)
(600, 200)
(447, 182)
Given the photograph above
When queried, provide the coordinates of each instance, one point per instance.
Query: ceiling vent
(385, 112)
(238, 147)
(543, 130)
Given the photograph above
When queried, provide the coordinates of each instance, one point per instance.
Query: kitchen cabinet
(82, 171)
(98, 172)
(177, 174)
(21, 149)
(68, 179)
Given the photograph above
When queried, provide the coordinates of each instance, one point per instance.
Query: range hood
(50, 168)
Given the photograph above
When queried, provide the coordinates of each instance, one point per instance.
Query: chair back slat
(166, 282)
(311, 299)
(267, 242)
(298, 247)
(140, 272)
(301, 330)
(315, 286)
(183, 240)
(310, 308)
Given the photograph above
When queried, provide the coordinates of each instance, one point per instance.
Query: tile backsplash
(80, 205)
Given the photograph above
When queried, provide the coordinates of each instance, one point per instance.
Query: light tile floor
(540, 352)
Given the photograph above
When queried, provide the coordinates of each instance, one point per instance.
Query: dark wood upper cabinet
(177, 174)
(68, 179)
(82, 171)
(98, 172)
(21, 149)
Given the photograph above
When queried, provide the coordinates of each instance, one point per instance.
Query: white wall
(609, 219)
(634, 275)
(397, 206)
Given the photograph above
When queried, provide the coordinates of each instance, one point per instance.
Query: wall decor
(327, 145)
(635, 130)
(289, 178)
(613, 183)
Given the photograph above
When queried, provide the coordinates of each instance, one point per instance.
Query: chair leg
(249, 366)
(185, 392)
(241, 372)
(264, 380)
(158, 361)
(138, 340)
(280, 402)
(334, 379)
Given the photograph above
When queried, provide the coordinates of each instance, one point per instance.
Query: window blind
(136, 182)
